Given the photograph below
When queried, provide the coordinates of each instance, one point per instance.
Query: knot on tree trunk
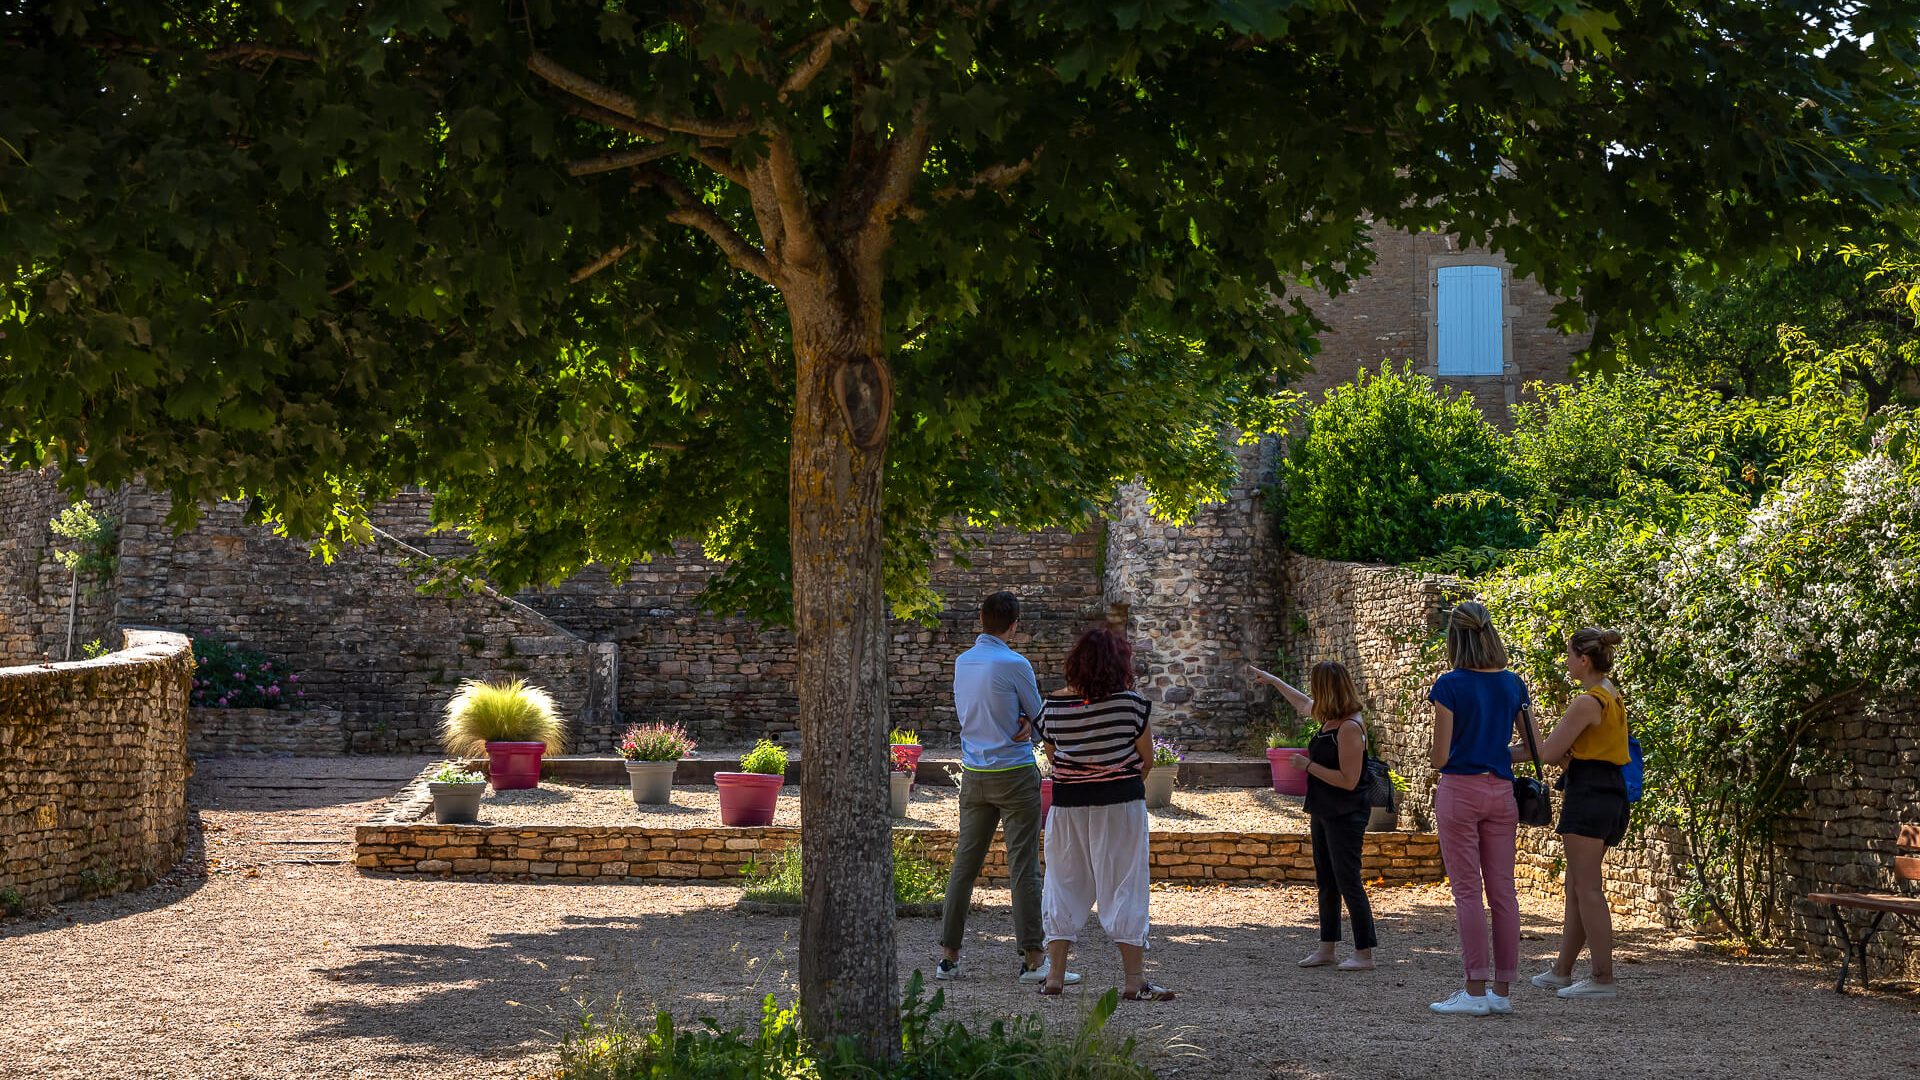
(863, 388)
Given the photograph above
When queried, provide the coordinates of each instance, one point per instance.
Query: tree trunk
(842, 398)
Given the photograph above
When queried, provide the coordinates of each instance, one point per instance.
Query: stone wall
(1201, 601)
(720, 854)
(1385, 625)
(1388, 315)
(306, 732)
(93, 798)
(362, 638)
(35, 590)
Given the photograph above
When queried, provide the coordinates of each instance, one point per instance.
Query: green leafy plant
(11, 902)
(1399, 782)
(1291, 738)
(233, 677)
(1366, 480)
(484, 712)
(916, 879)
(903, 737)
(452, 772)
(611, 1047)
(91, 542)
(1166, 753)
(95, 649)
(656, 742)
(100, 879)
(766, 758)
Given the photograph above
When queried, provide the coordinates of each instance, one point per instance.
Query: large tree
(809, 280)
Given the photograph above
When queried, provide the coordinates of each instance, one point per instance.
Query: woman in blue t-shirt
(1476, 708)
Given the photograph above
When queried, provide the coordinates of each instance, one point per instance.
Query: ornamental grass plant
(484, 712)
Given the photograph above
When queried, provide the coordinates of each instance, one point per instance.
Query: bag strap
(1526, 732)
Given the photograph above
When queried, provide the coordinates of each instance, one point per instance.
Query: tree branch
(997, 177)
(800, 237)
(625, 159)
(608, 259)
(620, 104)
(697, 215)
(906, 153)
(809, 69)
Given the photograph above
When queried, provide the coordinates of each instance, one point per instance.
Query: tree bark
(842, 397)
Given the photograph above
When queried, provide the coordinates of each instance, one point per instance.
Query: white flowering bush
(1744, 626)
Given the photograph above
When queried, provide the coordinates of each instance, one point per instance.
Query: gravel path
(246, 964)
(1192, 810)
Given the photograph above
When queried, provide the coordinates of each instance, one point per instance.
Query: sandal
(1148, 992)
(1051, 991)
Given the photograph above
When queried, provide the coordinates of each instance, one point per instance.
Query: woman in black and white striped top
(1097, 736)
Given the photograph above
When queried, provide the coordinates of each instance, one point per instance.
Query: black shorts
(1594, 801)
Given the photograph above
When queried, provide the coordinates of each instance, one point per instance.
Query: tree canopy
(808, 280)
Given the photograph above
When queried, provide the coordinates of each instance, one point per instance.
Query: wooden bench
(1906, 867)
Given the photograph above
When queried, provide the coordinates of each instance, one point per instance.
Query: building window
(1469, 320)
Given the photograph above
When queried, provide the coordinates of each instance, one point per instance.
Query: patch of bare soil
(1192, 810)
(284, 968)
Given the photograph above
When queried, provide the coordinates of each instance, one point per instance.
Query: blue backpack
(1634, 772)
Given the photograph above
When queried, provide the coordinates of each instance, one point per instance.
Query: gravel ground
(254, 962)
(1196, 810)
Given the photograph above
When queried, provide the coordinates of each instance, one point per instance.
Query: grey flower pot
(651, 781)
(900, 787)
(1383, 819)
(1160, 785)
(456, 804)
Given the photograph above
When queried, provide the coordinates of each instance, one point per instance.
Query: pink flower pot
(907, 754)
(512, 766)
(1046, 799)
(747, 798)
(1287, 780)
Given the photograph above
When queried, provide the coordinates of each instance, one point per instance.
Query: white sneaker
(1463, 1004)
(946, 969)
(1499, 1004)
(1039, 975)
(1590, 990)
(1549, 980)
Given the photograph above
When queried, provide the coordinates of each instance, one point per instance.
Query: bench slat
(1869, 902)
(1906, 867)
(1909, 837)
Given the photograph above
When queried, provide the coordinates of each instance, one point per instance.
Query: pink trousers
(1477, 818)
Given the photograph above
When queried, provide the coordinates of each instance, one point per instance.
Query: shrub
(483, 712)
(452, 772)
(94, 650)
(903, 737)
(1020, 1048)
(765, 758)
(1291, 738)
(231, 677)
(11, 902)
(916, 879)
(1362, 481)
(656, 742)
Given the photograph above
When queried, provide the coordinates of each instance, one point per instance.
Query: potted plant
(1166, 769)
(1282, 747)
(653, 752)
(512, 722)
(900, 780)
(748, 797)
(1387, 818)
(905, 742)
(456, 794)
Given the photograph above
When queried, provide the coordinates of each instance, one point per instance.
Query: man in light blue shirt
(997, 699)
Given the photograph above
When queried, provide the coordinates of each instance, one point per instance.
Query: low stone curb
(900, 911)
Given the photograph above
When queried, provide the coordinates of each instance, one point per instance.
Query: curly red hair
(1101, 664)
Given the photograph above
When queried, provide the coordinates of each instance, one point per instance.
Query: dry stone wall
(93, 798)
(305, 732)
(35, 590)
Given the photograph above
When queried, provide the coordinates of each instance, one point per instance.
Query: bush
(656, 742)
(231, 677)
(916, 879)
(1362, 481)
(482, 712)
(765, 758)
(1015, 1049)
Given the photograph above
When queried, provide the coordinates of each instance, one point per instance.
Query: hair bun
(1610, 637)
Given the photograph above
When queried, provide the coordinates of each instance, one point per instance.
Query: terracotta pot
(456, 804)
(1160, 785)
(1287, 780)
(748, 798)
(900, 789)
(512, 766)
(651, 782)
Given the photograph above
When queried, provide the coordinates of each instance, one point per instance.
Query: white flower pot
(1160, 785)
(900, 786)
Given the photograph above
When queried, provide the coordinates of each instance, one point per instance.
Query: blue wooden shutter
(1469, 317)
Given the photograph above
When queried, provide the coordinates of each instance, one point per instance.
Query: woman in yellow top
(1590, 742)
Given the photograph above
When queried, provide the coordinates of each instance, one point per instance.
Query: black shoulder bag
(1536, 806)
